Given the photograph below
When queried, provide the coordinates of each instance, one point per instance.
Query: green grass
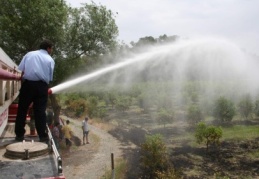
(237, 133)
(240, 132)
(120, 169)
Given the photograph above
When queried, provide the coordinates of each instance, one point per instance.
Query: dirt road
(92, 160)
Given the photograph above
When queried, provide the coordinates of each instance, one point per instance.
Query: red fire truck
(29, 158)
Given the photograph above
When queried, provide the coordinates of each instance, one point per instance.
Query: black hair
(67, 121)
(45, 44)
(56, 123)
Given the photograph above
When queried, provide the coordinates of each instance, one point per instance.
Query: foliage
(77, 107)
(164, 116)
(146, 100)
(209, 134)
(92, 106)
(120, 170)
(256, 109)
(110, 98)
(246, 106)
(23, 25)
(154, 156)
(149, 40)
(90, 32)
(122, 103)
(80, 35)
(224, 110)
(194, 115)
(101, 113)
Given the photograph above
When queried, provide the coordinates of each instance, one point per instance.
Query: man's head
(67, 122)
(47, 45)
(86, 118)
(56, 124)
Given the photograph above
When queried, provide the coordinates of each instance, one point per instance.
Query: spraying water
(203, 59)
(141, 57)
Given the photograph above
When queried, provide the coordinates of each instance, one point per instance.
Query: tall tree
(80, 35)
(89, 32)
(23, 24)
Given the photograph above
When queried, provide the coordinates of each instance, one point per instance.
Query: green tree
(149, 40)
(207, 134)
(194, 115)
(23, 24)
(164, 116)
(89, 33)
(256, 109)
(122, 103)
(80, 35)
(92, 106)
(246, 106)
(154, 157)
(224, 110)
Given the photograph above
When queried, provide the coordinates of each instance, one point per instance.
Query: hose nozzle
(49, 91)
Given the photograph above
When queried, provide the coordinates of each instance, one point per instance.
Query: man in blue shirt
(37, 71)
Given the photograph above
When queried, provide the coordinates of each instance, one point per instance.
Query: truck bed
(43, 166)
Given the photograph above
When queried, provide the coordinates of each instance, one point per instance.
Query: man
(85, 131)
(68, 134)
(37, 71)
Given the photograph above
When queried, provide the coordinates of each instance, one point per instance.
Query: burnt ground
(232, 159)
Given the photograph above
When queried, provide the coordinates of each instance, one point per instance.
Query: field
(236, 157)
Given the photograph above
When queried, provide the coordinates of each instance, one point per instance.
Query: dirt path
(92, 160)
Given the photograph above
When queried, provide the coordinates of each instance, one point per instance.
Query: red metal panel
(13, 112)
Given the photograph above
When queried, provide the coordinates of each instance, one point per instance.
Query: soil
(232, 159)
(89, 160)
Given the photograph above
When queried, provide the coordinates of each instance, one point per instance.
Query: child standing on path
(68, 134)
(85, 128)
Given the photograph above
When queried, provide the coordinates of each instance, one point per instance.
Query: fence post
(112, 160)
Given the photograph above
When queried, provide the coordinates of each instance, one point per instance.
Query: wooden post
(112, 161)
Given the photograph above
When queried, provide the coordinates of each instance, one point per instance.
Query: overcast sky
(235, 20)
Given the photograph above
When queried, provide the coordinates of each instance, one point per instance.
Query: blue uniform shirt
(37, 66)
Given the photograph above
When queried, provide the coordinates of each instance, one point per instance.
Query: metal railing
(54, 149)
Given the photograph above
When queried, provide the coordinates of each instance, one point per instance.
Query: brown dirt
(90, 160)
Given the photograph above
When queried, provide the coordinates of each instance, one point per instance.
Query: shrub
(256, 109)
(154, 157)
(122, 103)
(246, 106)
(224, 110)
(194, 115)
(164, 116)
(207, 134)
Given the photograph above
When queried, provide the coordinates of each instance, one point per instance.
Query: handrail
(58, 160)
(6, 75)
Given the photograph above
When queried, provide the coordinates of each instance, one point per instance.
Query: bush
(77, 107)
(154, 156)
(122, 103)
(246, 106)
(209, 134)
(194, 115)
(224, 110)
(256, 109)
(164, 116)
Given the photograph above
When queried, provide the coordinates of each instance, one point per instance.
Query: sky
(233, 20)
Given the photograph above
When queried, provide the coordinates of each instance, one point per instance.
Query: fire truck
(29, 158)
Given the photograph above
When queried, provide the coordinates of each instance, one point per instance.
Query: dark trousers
(35, 92)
